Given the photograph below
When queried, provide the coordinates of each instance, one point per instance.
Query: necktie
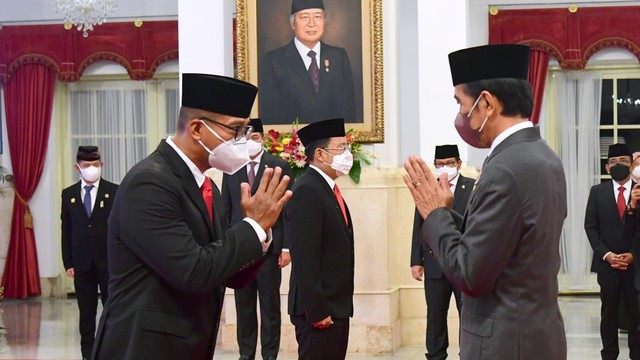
(207, 195)
(622, 204)
(87, 199)
(336, 191)
(314, 71)
(252, 173)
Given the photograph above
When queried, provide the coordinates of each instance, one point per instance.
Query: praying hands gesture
(427, 193)
(266, 204)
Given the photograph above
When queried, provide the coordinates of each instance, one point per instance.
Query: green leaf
(355, 171)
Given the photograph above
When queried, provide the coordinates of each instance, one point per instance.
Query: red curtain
(29, 102)
(538, 67)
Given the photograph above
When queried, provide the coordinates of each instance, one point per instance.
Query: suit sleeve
(591, 225)
(65, 218)
(152, 225)
(416, 246)
(496, 214)
(304, 227)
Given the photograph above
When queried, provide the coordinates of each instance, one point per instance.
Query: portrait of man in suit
(307, 79)
(437, 288)
(266, 285)
(320, 230)
(613, 259)
(86, 206)
(504, 253)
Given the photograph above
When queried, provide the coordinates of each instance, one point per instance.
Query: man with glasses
(171, 251)
(306, 79)
(613, 261)
(266, 285)
(320, 232)
(437, 288)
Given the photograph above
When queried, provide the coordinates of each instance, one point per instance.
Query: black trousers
(613, 287)
(86, 284)
(321, 344)
(438, 295)
(266, 288)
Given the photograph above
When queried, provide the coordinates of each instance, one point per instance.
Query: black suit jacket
(287, 93)
(322, 251)
(168, 264)
(604, 227)
(84, 238)
(231, 196)
(424, 256)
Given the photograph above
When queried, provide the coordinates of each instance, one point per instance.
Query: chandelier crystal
(84, 14)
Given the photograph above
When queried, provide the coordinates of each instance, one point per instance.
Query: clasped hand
(266, 204)
(620, 261)
(428, 194)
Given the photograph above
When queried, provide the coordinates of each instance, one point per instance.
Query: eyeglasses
(440, 164)
(240, 132)
(341, 149)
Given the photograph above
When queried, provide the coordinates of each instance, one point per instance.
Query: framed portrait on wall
(313, 60)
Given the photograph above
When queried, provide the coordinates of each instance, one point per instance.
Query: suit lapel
(332, 196)
(298, 67)
(188, 182)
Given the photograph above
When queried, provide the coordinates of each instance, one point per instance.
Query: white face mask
(254, 148)
(228, 157)
(452, 172)
(636, 174)
(341, 163)
(91, 173)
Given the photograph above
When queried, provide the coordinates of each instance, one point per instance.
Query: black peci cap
(616, 150)
(324, 129)
(489, 62)
(257, 125)
(447, 151)
(218, 94)
(87, 153)
(297, 5)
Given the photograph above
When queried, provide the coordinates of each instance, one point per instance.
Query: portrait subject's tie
(87, 199)
(314, 71)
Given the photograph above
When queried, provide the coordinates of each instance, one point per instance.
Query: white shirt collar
(627, 185)
(325, 176)
(505, 134)
(197, 174)
(96, 184)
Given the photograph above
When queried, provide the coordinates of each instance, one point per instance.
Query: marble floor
(47, 329)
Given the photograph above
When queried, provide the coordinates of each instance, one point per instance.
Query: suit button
(89, 225)
(91, 240)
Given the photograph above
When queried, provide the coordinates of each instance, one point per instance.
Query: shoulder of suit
(327, 47)
(281, 51)
(74, 187)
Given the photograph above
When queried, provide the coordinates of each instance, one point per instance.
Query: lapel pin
(106, 196)
(73, 200)
(326, 65)
(101, 203)
(463, 186)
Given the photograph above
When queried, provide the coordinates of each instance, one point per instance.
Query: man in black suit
(306, 79)
(320, 230)
(85, 209)
(612, 252)
(437, 288)
(266, 284)
(170, 252)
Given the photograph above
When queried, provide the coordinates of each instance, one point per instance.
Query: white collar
(325, 176)
(509, 131)
(197, 174)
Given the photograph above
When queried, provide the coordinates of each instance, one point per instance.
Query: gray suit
(506, 259)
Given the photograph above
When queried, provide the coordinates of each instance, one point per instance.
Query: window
(620, 114)
(125, 119)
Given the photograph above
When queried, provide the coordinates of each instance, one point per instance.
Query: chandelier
(84, 14)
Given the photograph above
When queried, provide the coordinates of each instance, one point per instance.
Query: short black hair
(515, 95)
(310, 149)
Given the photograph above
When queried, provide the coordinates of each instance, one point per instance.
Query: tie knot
(621, 188)
(88, 187)
(206, 185)
(311, 53)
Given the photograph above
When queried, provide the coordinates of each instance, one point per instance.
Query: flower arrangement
(287, 145)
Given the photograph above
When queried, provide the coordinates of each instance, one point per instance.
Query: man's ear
(194, 127)
(491, 103)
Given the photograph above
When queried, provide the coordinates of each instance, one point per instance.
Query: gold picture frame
(369, 122)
